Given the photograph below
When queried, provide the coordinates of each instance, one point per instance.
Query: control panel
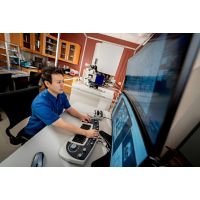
(98, 114)
(78, 149)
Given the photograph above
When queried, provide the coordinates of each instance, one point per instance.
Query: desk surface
(15, 72)
(50, 139)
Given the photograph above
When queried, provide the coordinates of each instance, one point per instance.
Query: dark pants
(23, 137)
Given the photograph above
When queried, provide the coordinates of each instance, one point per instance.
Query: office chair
(17, 106)
(5, 82)
(21, 82)
(34, 78)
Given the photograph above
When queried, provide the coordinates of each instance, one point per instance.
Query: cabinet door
(26, 41)
(73, 53)
(37, 42)
(62, 50)
(50, 46)
(31, 42)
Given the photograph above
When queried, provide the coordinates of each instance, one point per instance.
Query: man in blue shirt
(49, 105)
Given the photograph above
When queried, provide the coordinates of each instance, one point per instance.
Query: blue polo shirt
(46, 109)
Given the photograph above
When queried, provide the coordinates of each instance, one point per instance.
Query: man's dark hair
(48, 71)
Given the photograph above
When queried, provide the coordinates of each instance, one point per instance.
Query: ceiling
(138, 38)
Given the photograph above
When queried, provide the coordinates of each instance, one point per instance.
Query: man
(49, 104)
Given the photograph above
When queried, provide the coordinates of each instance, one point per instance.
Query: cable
(103, 142)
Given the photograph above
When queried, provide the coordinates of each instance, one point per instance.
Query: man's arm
(74, 129)
(77, 114)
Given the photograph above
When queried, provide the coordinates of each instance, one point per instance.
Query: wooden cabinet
(37, 42)
(62, 50)
(31, 42)
(45, 44)
(73, 53)
(26, 42)
(69, 52)
(50, 44)
(2, 38)
(68, 81)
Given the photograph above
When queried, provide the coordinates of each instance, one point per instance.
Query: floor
(5, 147)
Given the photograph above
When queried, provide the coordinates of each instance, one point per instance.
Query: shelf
(3, 54)
(9, 52)
(13, 56)
(50, 50)
(9, 56)
(3, 61)
(50, 46)
(51, 43)
(12, 50)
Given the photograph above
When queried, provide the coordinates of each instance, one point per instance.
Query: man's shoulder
(41, 97)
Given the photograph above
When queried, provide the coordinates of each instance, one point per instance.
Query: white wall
(108, 57)
(188, 113)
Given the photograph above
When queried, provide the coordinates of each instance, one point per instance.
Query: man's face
(57, 85)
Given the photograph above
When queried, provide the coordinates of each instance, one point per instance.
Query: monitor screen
(152, 79)
(128, 148)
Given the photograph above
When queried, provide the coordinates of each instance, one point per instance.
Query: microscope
(90, 75)
(93, 78)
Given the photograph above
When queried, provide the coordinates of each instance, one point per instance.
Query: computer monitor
(155, 80)
(128, 146)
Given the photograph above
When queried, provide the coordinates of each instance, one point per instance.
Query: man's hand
(91, 133)
(85, 118)
(77, 114)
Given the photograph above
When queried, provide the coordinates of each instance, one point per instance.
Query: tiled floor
(5, 147)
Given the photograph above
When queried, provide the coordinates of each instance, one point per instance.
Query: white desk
(50, 139)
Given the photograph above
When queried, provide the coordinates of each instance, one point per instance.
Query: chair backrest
(5, 82)
(17, 104)
(34, 78)
(21, 82)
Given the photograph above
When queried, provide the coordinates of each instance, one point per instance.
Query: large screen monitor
(128, 147)
(155, 80)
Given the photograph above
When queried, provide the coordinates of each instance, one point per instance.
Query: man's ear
(47, 83)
